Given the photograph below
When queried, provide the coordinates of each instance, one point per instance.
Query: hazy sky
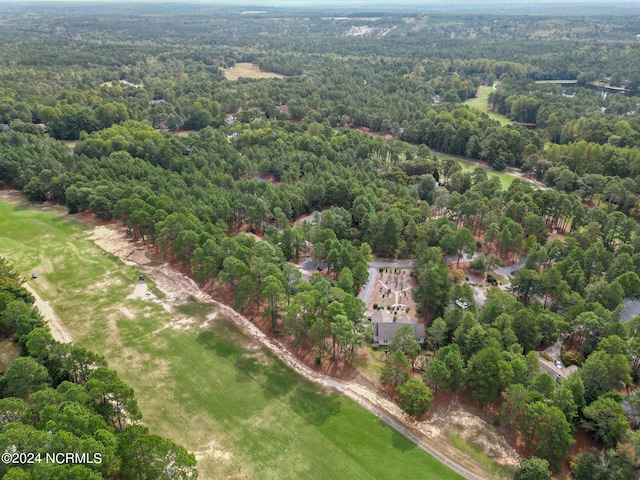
(271, 3)
(626, 7)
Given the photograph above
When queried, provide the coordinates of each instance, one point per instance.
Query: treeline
(59, 399)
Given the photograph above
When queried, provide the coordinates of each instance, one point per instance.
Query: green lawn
(481, 102)
(70, 143)
(506, 179)
(213, 389)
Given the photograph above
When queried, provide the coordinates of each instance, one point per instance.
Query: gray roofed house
(381, 316)
(406, 319)
(383, 331)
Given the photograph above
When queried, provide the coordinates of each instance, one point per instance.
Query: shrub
(414, 397)
(458, 275)
(572, 357)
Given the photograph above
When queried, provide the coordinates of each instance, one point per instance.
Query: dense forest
(129, 116)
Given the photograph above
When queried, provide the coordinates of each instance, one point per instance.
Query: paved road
(311, 218)
(508, 271)
(365, 293)
(630, 411)
(479, 295)
(632, 309)
(382, 263)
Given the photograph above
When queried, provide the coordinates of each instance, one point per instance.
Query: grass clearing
(469, 166)
(373, 361)
(9, 351)
(505, 179)
(216, 391)
(71, 144)
(247, 70)
(476, 452)
(481, 102)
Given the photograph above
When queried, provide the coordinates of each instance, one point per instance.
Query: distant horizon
(315, 4)
(341, 7)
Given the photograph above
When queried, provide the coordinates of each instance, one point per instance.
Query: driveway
(366, 290)
(554, 352)
(384, 263)
(550, 368)
(479, 295)
(507, 272)
(308, 264)
(632, 309)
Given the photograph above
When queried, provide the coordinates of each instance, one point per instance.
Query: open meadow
(247, 70)
(198, 379)
(481, 102)
(469, 165)
(506, 179)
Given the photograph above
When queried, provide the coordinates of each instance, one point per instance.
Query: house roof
(384, 331)
(405, 319)
(381, 316)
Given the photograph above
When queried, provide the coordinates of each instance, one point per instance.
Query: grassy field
(9, 351)
(506, 179)
(213, 389)
(70, 143)
(247, 70)
(476, 451)
(481, 102)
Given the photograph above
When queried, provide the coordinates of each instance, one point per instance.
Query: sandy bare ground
(178, 288)
(58, 331)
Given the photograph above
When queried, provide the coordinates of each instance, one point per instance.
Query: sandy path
(58, 330)
(178, 288)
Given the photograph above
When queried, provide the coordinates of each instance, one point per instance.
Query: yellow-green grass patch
(9, 351)
(477, 453)
(506, 179)
(481, 102)
(247, 70)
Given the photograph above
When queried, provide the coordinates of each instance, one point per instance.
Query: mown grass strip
(481, 102)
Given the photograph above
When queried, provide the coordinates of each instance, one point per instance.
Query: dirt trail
(58, 331)
(179, 288)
